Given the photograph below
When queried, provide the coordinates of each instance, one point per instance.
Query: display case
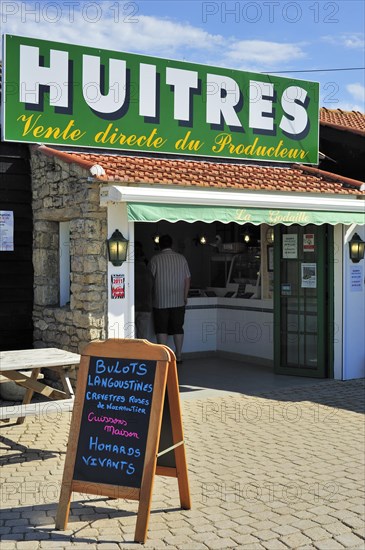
(245, 272)
(219, 269)
(238, 274)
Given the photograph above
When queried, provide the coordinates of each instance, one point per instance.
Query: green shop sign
(70, 95)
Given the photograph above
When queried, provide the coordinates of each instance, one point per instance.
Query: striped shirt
(170, 270)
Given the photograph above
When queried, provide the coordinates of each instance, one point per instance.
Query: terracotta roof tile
(194, 173)
(352, 121)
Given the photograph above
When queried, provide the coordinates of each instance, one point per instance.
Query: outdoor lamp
(357, 248)
(117, 248)
(203, 239)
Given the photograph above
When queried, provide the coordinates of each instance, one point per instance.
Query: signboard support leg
(178, 436)
(151, 451)
(63, 509)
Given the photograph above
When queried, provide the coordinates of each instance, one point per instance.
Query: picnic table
(14, 363)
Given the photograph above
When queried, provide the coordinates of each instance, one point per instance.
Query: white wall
(353, 312)
(121, 311)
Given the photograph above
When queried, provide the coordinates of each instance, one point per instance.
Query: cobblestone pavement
(283, 469)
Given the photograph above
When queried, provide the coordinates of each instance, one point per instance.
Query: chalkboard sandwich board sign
(126, 427)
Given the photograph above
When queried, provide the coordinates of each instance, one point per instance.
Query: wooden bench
(12, 367)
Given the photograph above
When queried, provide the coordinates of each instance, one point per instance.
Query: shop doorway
(303, 300)
(16, 265)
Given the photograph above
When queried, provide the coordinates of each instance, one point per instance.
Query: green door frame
(325, 305)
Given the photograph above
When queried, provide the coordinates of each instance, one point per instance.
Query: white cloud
(357, 91)
(167, 36)
(347, 106)
(102, 27)
(264, 53)
(348, 40)
(354, 42)
(355, 101)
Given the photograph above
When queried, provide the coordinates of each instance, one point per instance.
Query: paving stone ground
(283, 469)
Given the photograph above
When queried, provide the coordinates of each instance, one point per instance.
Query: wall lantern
(357, 248)
(117, 248)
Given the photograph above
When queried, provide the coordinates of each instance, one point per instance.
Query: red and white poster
(117, 287)
(308, 242)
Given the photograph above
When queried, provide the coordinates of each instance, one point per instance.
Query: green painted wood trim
(322, 334)
(277, 308)
(330, 302)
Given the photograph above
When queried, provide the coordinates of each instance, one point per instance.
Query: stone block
(44, 295)
(45, 262)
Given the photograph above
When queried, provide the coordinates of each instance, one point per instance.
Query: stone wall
(65, 192)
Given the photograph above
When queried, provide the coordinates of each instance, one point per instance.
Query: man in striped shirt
(172, 282)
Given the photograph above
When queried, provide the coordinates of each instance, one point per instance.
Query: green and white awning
(152, 204)
(145, 212)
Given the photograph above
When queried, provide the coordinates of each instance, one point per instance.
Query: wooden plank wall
(16, 268)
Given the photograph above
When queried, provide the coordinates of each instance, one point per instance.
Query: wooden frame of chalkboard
(126, 427)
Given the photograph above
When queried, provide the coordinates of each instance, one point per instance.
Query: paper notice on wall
(309, 276)
(356, 278)
(6, 231)
(290, 246)
(117, 287)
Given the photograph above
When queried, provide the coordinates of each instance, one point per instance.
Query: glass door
(303, 302)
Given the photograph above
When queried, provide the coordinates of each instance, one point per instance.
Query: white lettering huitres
(222, 95)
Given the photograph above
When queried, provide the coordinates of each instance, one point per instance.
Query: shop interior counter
(226, 300)
(236, 325)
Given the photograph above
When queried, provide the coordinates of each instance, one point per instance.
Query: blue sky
(258, 36)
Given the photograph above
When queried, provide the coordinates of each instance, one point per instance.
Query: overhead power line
(319, 70)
